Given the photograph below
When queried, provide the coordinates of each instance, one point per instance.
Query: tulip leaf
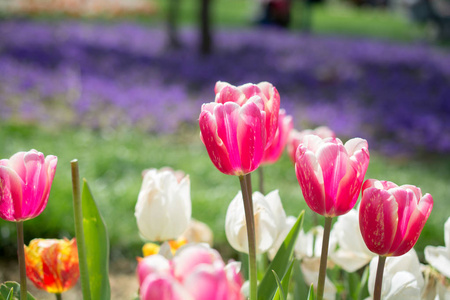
(280, 291)
(97, 250)
(311, 295)
(281, 261)
(300, 287)
(10, 290)
(283, 286)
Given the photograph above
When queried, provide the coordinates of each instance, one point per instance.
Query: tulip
(439, 257)
(196, 272)
(296, 137)
(285, 125)
(236, 129)
(198, 232)
(173, 245)
(391, 219)
(270, 220)
(25, 182)
(52, 264)
(226, 92)
(163, 209)
(402, 278)
(330, 173)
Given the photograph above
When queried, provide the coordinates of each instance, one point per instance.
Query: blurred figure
(275, 12)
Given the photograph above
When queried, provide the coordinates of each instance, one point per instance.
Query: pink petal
(207, 283)
(216, 148)
(310, 178)
(227, 118)
(354, 145)
(333, 160)
(11, 186)
(17, 164)
(312, 142)
(407, 204)
(251, 137)
(162, 287)
(416, 223)
(250, 90)
(230, 93)
(36, 182)
(219, 86)
(285, 125)
(378, 220)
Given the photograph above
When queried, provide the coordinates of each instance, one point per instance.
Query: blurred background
(119, 85)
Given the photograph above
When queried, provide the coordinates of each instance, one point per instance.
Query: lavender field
(96, 75)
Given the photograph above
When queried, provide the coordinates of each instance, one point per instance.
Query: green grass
(112, 163)
(335, 18)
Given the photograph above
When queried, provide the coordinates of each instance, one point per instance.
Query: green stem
(323, 258)
(58, 296)
(261, 179)
(79, 232)
(21, 257)
(246, 188)
(379, 277)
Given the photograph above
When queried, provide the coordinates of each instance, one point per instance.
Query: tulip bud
(25, 182)
(330, 173)
(163, 209)
(52, 265)
(270, 220)
(391, 217)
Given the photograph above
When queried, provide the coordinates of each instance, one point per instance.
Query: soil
(123, 280)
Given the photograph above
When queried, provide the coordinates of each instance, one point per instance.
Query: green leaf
(280, 291)
(10, 290)
(300, 287)
(311, 295)
(97, 246)
(284, 284)
(353, 285)
(280, 263)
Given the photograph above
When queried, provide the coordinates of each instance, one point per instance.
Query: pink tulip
(330, 173)
(391, 217)
(226, 92)
(234, 135)
(196, 272)
(296, 137)
(25, 182)
(285, 125)
(162, 287)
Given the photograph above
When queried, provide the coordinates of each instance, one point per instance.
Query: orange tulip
(52, 264)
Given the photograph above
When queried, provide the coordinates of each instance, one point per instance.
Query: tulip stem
(58, 296)
(21, 258)
(379, 277)
(261, 179)
(323, 258)
(79, 232)
(246, 187)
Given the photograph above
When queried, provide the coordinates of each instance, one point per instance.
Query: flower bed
(99, 75)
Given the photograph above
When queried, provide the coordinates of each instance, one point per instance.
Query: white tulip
(270, 219)
(402, 278)
(351, 253)
(439, 257)
(163, 209)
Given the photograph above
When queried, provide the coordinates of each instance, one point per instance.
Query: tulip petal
(378, 219)
(11, 198)
(16, 162)
(310, 177)
(251, 137)
(407, 204)
(215, 146)
(333, 160)
(229, 93)
(415, 225)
